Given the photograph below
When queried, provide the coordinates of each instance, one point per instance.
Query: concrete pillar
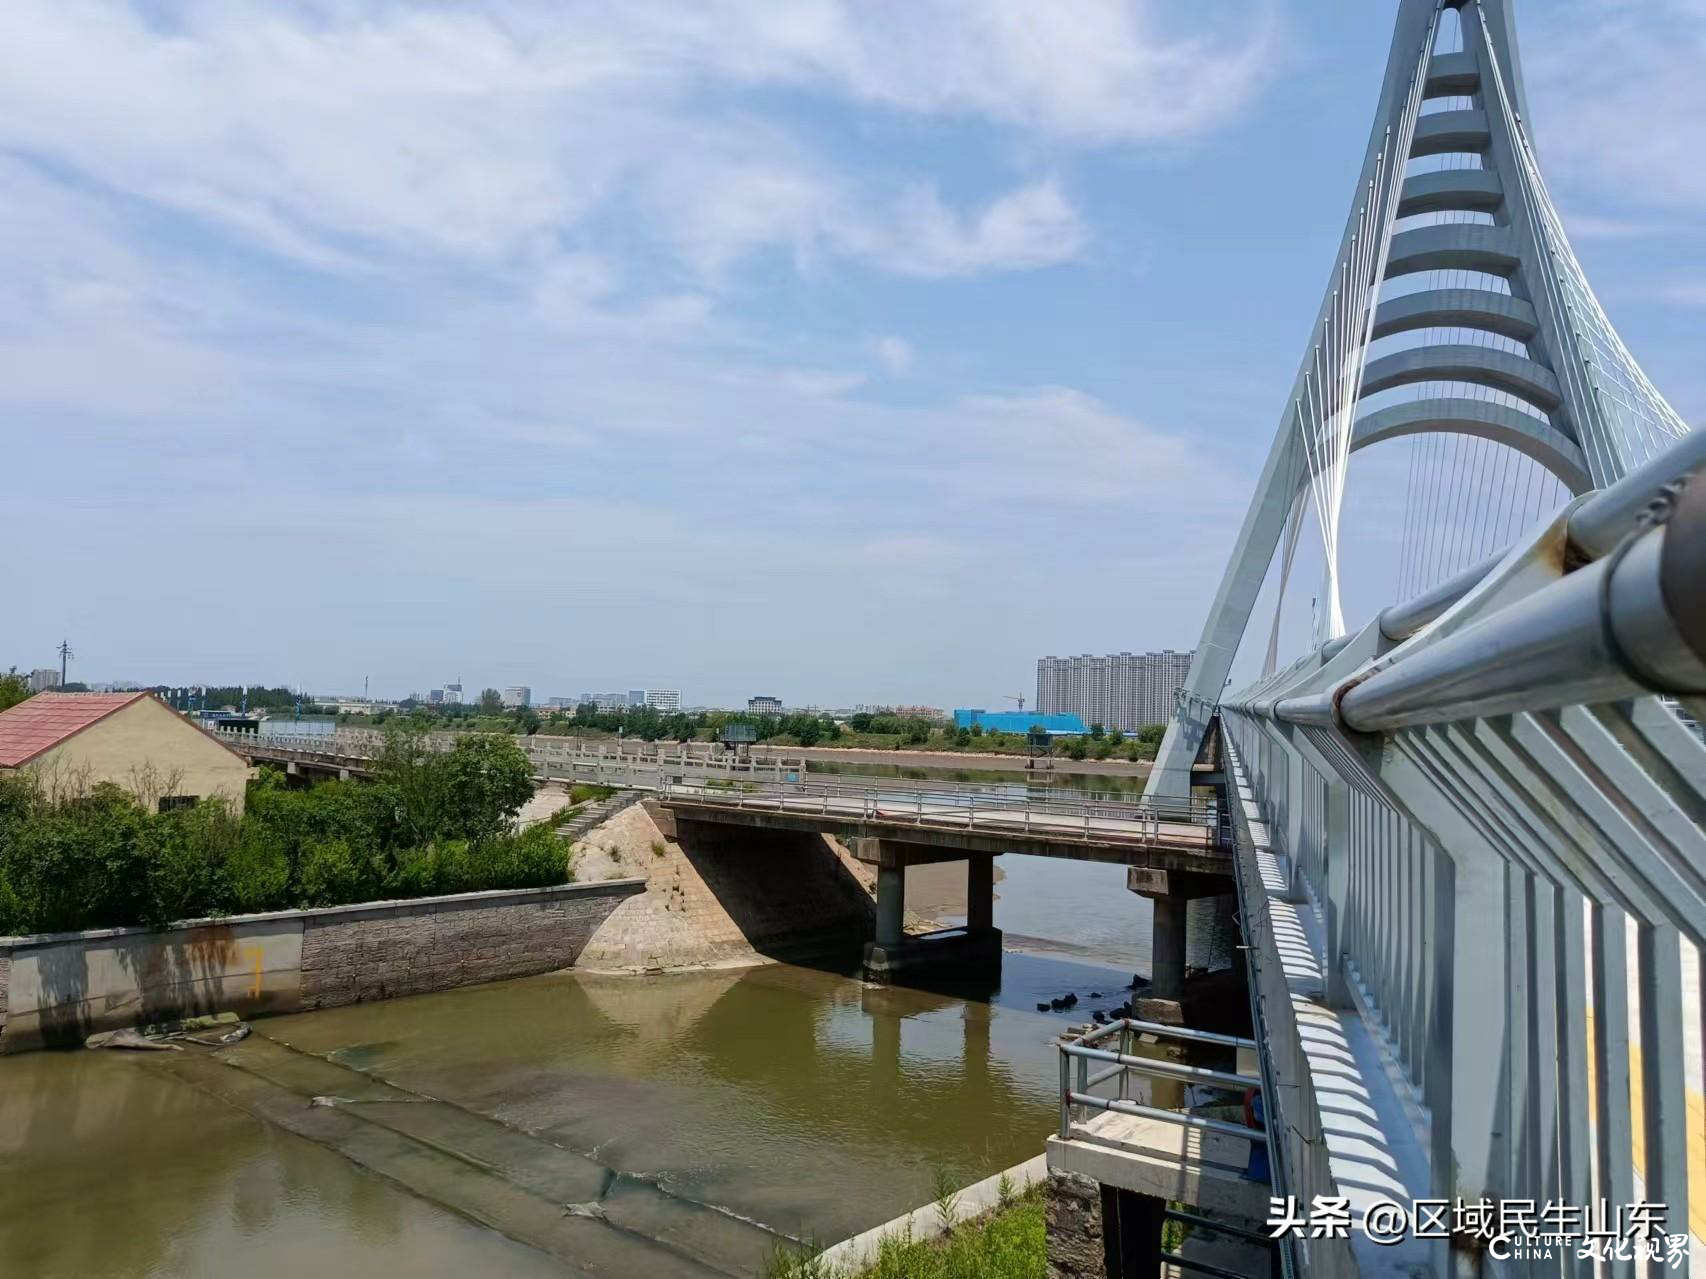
(1167, 946)
(891, 905)
(980, 892)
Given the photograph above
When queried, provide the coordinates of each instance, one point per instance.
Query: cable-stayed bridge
(1470, 834)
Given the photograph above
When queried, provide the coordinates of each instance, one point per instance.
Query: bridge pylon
(1453, 241)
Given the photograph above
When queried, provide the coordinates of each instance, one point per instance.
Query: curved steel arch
(1603, 416)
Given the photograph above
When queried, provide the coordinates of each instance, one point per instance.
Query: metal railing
(1501, 826)
(1077, 1078)
(360, 746)
(967, 807)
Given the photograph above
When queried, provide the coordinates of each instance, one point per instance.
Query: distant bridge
(555, 759)
(1175, 849)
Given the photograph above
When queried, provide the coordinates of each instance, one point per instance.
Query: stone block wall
(393, 950)
(1072, 1207)
(58, 988)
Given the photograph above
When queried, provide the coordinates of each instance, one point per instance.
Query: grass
(580, 792)
(1008, 1243)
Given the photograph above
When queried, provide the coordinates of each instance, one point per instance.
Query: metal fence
(1503, 827)
(1055, 813)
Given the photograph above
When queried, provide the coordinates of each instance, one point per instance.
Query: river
(682, 1124)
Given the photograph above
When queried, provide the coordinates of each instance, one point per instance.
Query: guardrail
(1076, 1055)
(963, 808)
(365, 745)
(1487, 797)
(1078, 1077)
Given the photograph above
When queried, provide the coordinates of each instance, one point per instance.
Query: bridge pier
(892, 952)
(1171, 891)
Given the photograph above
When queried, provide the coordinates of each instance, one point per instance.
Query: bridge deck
(987, 820)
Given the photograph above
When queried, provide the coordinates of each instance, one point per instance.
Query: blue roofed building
(1055, 725)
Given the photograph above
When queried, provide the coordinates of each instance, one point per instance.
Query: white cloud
(894, 353)
(822, 382)
(1030, 226)
(328, 133)
(1621, 100)
(1059, 446)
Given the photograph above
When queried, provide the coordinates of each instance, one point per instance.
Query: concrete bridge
(1175, 849)
(642, 765)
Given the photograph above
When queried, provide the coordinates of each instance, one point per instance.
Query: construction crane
(1017, 697)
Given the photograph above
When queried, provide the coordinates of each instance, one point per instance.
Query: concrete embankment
(57, 988)
(720, 898)
(850, 1256)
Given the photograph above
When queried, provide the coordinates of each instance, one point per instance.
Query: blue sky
(842, 351)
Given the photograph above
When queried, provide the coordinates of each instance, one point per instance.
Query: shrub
(333, 873)
(258, 874)
(73, 861)
(78, 863)
(533, 859)
(188, 852)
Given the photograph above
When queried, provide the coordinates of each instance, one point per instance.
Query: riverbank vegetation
(75, 857)
(1008, 1243)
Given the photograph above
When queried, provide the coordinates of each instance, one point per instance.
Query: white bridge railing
(1489, 803)
(1057, 813)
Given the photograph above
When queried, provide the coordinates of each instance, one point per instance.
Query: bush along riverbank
(1009, 1242)
(431, 822)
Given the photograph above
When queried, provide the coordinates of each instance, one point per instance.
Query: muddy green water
(570, 1124)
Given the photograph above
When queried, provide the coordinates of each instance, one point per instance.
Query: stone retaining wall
(57, 988)
(382, 953)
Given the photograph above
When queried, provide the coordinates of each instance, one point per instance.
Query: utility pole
(65, 655)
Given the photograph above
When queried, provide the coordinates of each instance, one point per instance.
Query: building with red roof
(74, 741)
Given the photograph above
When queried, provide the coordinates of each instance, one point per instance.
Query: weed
(946, 1197)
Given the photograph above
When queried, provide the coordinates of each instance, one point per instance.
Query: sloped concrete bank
(718, 898)
(58, 988)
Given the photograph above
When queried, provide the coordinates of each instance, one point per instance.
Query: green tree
(13, 689)
(472, 791)
(1096, 731)
(860, 721)
(1116, 738)
(1075, 749)
(491, 702)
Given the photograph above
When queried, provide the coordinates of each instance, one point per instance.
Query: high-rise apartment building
(762, 705)
(43, 678)
(517, 697)
(1126, 691)
(664, 699)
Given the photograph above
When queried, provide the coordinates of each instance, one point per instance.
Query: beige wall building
(132, 739)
